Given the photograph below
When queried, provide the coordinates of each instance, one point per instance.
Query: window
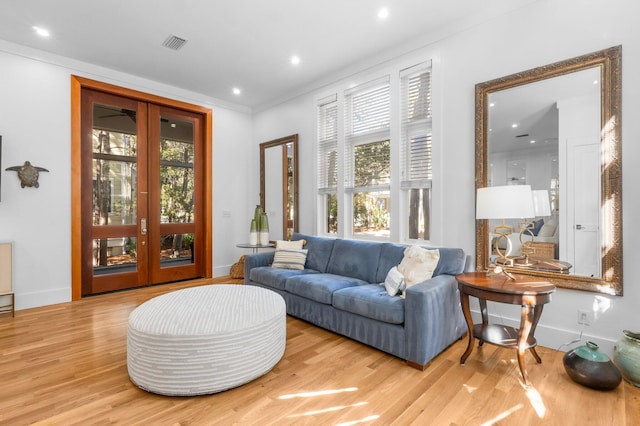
(374, 143)
(416, 157)
(328, 162)
(367, 157)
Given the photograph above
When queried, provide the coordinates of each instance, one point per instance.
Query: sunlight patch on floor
(317, 393)
(470, 389)
(328, 410)
(503, 415)
(536, 401)
(363, 420)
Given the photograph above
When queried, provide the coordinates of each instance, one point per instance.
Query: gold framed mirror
(505, 155)
(279, 185)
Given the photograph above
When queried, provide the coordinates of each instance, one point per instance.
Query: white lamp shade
(504, 202)
(541, 205)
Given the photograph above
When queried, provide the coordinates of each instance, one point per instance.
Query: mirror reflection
(546, 134)
(279, 185)
(556, 128)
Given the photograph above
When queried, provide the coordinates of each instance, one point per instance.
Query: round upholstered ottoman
(205, 339)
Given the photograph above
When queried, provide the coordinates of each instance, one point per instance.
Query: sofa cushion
(452, 261)
(275, 278)
(357, 259)
(390, 255)
(371, 301)
(319, 287)
(319, 251)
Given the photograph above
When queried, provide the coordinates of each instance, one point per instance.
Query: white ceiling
(239, 43)
(532, 108)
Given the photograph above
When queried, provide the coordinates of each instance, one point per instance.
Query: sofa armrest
(433, 318)
(255, 260)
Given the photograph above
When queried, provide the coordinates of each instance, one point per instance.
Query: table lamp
(504, 202)
(541, 207)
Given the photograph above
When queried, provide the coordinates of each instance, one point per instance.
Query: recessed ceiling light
(41, 31)
(173, 125)
(514, 125)
(383, 13)
(532, 141)
(236, 91)
(595, 81)
(295, 60)
(492, 104)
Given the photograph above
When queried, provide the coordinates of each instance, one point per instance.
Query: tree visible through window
(416, 147)
(355, 166)
(371, 169)
(368, 156)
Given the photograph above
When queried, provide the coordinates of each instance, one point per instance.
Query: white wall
(35, 125)
(540, 33)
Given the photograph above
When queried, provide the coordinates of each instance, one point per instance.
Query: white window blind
(367, 145)
(328, 145)
(416, 127)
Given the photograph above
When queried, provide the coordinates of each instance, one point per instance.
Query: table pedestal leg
(485, 316)
(526, 319)
(466, 310)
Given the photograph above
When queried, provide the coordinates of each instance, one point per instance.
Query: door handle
(578, 226)
(143, 226)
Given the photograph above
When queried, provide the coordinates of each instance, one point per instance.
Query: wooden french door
(142, 193)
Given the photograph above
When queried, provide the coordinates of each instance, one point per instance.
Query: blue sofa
(339, 290)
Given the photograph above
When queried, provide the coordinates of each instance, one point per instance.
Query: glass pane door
(114, 200)
(142, 218)
(174, 168)
(114, 184)
(176, 190)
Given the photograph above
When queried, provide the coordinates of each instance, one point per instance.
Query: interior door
(175, 224)
(586, 210)
(141, 173)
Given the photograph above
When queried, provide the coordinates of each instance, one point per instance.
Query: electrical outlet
(585, 317)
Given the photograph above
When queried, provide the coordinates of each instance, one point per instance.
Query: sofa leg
(417, 366)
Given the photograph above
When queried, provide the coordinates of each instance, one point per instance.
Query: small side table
(255, 247)
(529, 293)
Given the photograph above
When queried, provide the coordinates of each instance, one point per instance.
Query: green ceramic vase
(626, 355)
(256, 215)
(590, 367)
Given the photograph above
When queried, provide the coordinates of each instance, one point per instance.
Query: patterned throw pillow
(296, 245)
(394, 283)
(289, 259)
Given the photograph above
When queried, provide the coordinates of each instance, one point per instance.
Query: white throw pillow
(394, 283)
(289, 259)
(418, 264)
(547, 230)
(296, 245)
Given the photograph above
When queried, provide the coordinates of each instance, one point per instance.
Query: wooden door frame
(77, 84)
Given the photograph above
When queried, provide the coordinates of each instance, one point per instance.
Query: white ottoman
(205, 339)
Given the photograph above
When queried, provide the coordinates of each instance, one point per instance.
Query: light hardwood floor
(66, 364)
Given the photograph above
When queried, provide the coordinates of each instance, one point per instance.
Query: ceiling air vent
(174, 42)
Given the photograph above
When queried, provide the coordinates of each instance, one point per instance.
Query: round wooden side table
(525, 291)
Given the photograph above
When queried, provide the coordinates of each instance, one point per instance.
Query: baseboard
(554, 337)
(221, 271)
(36, 299)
